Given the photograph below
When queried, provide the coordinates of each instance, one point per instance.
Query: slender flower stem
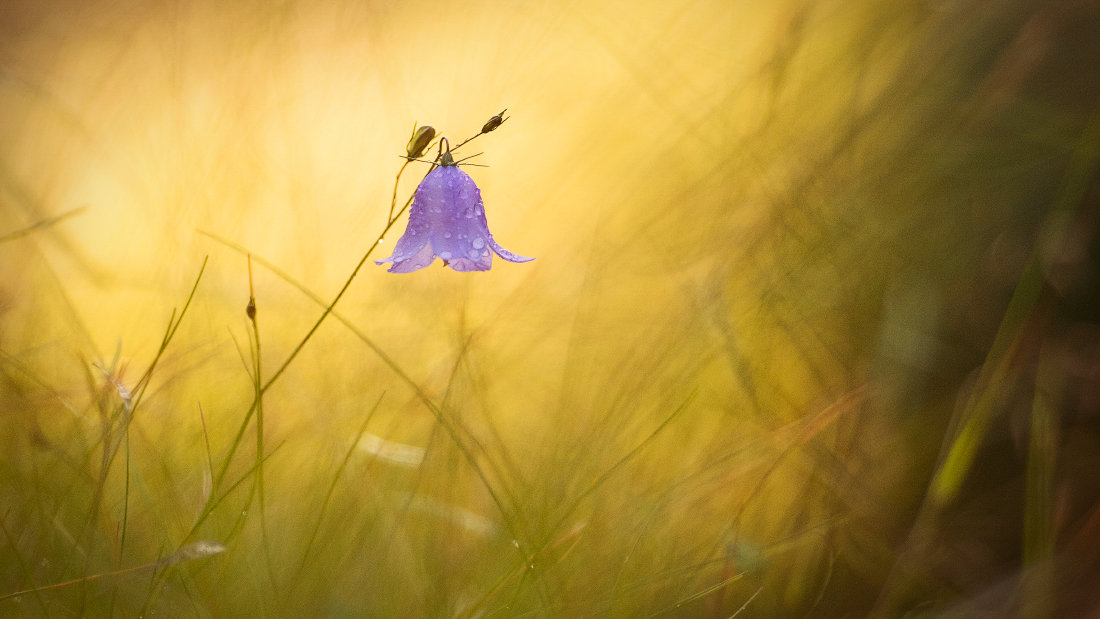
(294, 354)
(396, 181)
(257, 369)
(343, 289)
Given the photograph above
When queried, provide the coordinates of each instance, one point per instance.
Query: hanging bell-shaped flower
(447, 219)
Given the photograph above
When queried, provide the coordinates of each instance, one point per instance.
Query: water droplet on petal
(478, 243)
(446, 235)
(473, 254)
(445, 255)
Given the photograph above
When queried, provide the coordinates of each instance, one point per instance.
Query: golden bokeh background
(776, 244)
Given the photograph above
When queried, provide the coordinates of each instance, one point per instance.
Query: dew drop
(446, 235)
(478, 243)
(445, 255)
(469, 213)
(474, 254)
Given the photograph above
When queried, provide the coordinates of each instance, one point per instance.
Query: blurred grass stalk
(1024, 323)
(979, 411)
(1038, 593)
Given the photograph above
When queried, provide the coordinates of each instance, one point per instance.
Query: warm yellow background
(744, 211)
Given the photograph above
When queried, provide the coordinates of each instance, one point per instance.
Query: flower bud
(419, 141)
(447, 221)
(494, 122)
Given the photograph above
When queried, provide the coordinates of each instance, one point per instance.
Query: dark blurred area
(1020, 535)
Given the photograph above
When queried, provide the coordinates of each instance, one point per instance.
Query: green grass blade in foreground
(258, 395)
(512, 519)
(979, 410)
(375, 348)
(700, 595)
(116, 426)
(170, 332)
(1038, 543)
(24, 569)
(537, 553)
(977, 415)
(297, 349)
(332, 485)
(40, 225)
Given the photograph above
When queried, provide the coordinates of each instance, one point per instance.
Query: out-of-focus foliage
(813, 327)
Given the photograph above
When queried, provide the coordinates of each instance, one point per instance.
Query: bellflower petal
(447, 219)
(419, 260)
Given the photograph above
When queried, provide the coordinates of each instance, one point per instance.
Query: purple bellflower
(447, 219)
